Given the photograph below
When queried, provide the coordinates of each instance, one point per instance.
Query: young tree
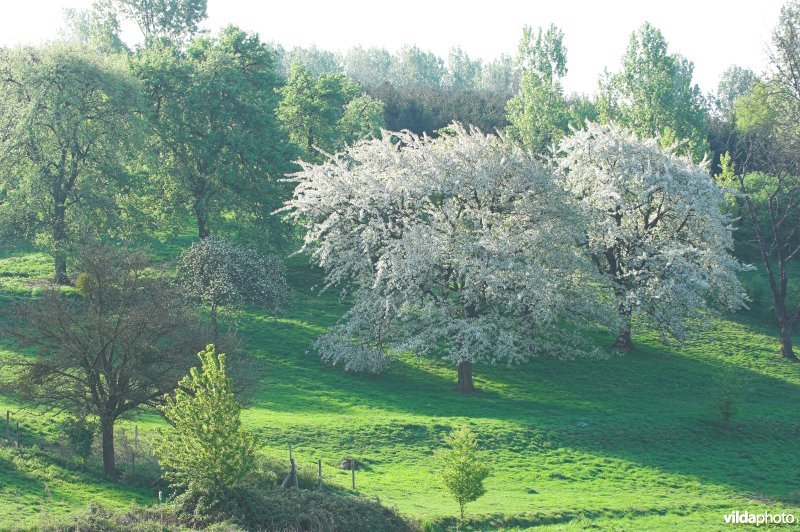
(206, 452)
(120, 344)
(460, 245)
(654, 95)
(462, 469)
(221, 149)
(537, 113)
(69, 117)
(221, 274)
(656, 229)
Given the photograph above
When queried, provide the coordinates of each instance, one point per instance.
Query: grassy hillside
(628, 442)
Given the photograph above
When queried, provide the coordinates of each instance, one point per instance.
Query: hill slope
(630, 441)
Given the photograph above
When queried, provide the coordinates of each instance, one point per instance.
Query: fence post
(17, 434)
(319, 468)
(8, 425)
(353, 472)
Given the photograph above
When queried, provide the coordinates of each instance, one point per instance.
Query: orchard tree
(656, 230)
(460, 245)
(206, 451)
(326, 112)
(220, 147)
(121, 343)
(68, 119)
(653, 94)
(538, 113)
(221, 274)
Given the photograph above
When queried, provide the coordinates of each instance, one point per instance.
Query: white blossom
(461, 245)
(656, 229)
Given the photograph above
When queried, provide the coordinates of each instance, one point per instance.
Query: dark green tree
(221, 151)
(177, 20)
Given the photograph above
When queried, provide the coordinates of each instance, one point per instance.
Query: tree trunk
(59, 241)
(465, 377)
(214, 324)
(624, 340)
(202, 222)
(109, 460)
(787, 351)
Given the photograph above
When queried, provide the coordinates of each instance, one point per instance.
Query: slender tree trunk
(624, 340)
(787, 351)
(214, 325)
(109, 460)
(59, 241)
(465, 377)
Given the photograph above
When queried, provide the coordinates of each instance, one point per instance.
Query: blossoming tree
(461, 245)
(656, 230)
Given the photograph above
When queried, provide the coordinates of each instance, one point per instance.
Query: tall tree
(69, 117)
(765, 167)
(120, 344)
(653, 94)
(463, 72)
(460, 246)
(221, 148)
(177, 20)
(537, 114)
(656, 232)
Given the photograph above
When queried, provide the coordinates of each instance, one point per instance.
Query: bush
(78, 434)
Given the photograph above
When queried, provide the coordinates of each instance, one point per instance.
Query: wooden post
(133, 451)
(319, 470)
(17, 433)
(353, 472)
(8, 425)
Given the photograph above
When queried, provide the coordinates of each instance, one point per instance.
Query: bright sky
(712, 33)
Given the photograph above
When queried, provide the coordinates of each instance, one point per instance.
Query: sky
(714, 34)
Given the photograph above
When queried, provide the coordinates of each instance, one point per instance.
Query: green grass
(629, 442)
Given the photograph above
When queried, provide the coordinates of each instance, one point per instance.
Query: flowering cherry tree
(461, 245)
(656, 231)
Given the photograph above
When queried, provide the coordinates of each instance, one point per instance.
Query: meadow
(627, 442)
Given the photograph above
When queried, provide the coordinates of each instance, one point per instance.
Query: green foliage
(462, 469)
(172, 19)
(68, 116)
(219, 151)
(727, 396)
(326, 112)
(207, 452)
(537, 114)
(78, 434)
(653, 94)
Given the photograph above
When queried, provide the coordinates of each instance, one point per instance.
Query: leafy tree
(97, 27)
(537, 114)
(207, 451)
(221, 274)
(463, 72)
(733, 83)
(68, 118)
(220, 145)
(656, 230)
(500, 77)
(313, 59)
(413, 67)
(326, 112)
(120, 344)
(653, 94)
(368, 68)
(177, 20)
(459, 245)
(462, 469)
